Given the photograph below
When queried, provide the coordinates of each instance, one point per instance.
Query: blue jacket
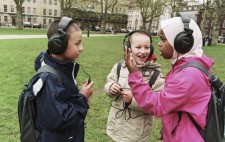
(61, 109)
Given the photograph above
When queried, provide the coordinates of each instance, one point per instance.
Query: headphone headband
(128, 35)
(63, 24)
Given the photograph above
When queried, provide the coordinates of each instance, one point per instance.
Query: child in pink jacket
(186, 91)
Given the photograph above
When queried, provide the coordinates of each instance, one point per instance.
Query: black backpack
(214, 130)
(27, 108)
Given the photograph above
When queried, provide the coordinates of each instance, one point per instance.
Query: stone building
(34, 12)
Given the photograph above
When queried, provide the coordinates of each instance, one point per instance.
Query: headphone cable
(89, 78)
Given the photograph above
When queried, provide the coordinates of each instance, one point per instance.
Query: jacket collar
(64, 66)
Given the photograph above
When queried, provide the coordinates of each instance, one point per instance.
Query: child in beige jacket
(127, 122)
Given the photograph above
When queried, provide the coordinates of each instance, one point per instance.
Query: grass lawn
(30, 31)
(100, 54)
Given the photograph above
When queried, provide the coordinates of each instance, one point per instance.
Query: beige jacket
(133, 124)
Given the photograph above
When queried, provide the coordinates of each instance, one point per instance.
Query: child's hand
(114, 88)
(86, 89)
(126, 96)
(129, 60)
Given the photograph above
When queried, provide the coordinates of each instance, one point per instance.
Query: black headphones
(127, 42)
(184, 41)
(57, 43)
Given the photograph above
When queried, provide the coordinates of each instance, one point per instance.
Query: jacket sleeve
(158, 103)
(56, 110)
(111, 78)
(158, 86)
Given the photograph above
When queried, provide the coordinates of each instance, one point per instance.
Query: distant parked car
(124, 30)
(97, 28)
(108, 30)
(36, 25)
(221, 39)
(26, 24)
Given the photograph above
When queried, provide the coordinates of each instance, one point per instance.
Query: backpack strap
(153, 78)
(119, 64)
(205, 71)
(49, 69)
(151, 81)
(198, 66)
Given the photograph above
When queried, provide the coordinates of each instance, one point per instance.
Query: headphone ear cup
(127, 44)
(183, 42)
(57, 44)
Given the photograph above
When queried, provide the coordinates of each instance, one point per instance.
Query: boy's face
(140, 47)
(74, 47)
(164, 46)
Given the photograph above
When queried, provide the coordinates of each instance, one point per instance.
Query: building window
(50, 21)
(44, 11)
(12, 8)
(50, 2)
(55, 2)
(44, 21)
(44, 1)
(34, 1)
(28, 0)
(23, 9)
(35, 20)
(223, 33)
(5, 8)
(223, 24)
(55, 12)
(34, 11)
(50, 12)
(6, 18)
(28, 10)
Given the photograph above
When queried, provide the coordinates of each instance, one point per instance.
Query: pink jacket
(187, 91)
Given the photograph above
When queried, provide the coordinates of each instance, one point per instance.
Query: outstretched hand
(129, 60)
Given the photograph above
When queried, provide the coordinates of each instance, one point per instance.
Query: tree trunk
(19, 20)
(204, 18)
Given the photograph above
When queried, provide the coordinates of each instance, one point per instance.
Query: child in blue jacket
(61, 107)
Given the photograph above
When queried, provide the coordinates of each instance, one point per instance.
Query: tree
(207, 5)
(219, 13)
(176, 6)
(150, 9)
(105, 6)
(65, 6)
(19, 20)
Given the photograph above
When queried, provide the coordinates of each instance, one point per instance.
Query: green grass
(25, 31)
(29, 31)
(100, 54)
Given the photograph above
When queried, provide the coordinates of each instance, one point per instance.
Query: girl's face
(140, 47)
(164, 46)
(74, 47)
